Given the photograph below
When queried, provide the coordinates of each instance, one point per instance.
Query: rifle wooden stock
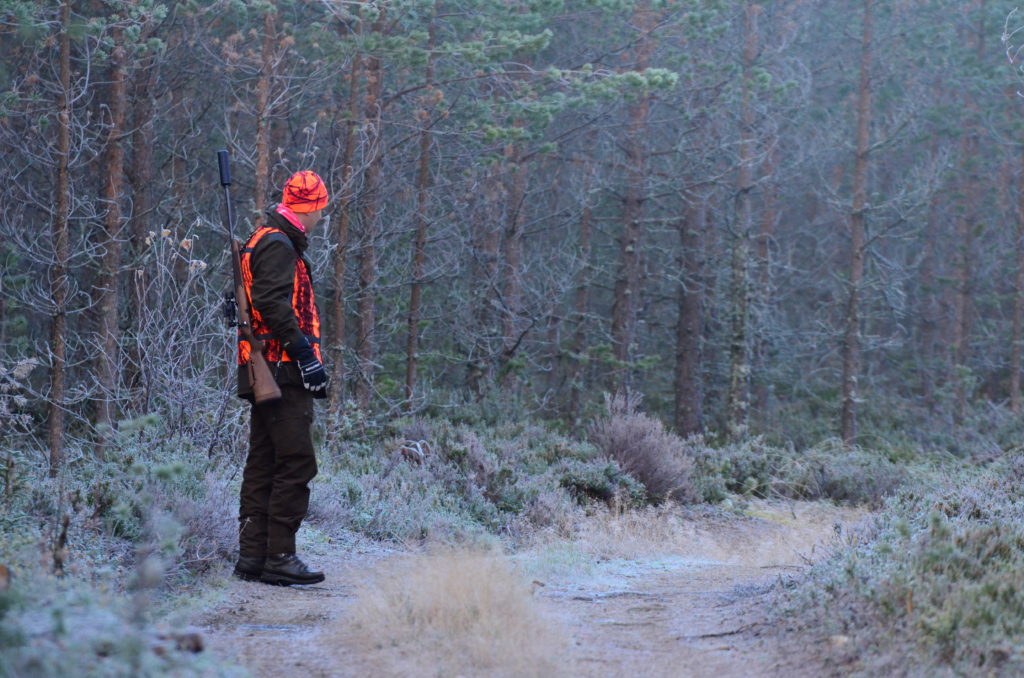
(264, 386)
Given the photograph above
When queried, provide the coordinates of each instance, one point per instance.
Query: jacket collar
(279, 222)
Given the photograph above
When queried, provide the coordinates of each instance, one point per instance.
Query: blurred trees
(757, 215)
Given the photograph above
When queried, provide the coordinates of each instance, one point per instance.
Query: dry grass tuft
(458, 613)
(775, 536)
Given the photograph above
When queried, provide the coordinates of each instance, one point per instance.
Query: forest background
(764, 218)
(787, 224)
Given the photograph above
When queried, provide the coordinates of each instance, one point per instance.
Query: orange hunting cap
(305, 192)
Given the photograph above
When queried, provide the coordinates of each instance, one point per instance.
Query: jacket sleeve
(273, 281)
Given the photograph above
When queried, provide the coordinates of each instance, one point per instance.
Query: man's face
(310, 219)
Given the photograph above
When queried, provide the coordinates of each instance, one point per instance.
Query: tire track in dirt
(691, 610)
(700, 613)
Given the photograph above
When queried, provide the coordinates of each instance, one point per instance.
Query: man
(281, 462)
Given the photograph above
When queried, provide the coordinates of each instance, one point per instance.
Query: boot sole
(285, 580)
(247, 576)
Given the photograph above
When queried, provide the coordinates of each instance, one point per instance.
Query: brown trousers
(275, 483)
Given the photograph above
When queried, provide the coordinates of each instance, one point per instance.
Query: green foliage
(484, 479)
(827, 471)
(934, 584)
(606, 483)
(53, 627)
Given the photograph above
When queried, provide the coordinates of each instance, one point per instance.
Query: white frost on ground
(651, 594)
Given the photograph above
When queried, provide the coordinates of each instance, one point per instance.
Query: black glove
(314, 377)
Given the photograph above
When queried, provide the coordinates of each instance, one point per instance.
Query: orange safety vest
(302, 302)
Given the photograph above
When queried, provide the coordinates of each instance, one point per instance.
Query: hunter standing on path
(281, 462)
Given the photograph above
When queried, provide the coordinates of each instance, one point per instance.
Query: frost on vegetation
(117, 534)
(934, 587)
(641, 446)
(502, 479)
(12, 383)
(146, 477)
(62, 627)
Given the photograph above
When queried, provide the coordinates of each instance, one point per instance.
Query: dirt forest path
(639, 596)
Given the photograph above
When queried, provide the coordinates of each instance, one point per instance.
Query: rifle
(264, 387)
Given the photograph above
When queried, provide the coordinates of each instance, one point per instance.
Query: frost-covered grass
(164, 503)
(933, 587)
(52, 626)
(504, 480)
(97, 555)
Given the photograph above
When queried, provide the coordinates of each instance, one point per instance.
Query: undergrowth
(933, 587)
(93, 554)
(165, 502)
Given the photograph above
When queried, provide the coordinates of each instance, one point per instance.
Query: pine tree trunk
(763, 280)
(486, 245)
(365, 340)
(930, 306)
(1017, 340)
(107, 302)
(419, 253)
(141, 186)
(930, 312)
(738, 397)
(340, 228)
(851, 336)
(580, 304)
(59, 273)
(262, 177)
(689, 385)
(964, 242)
(512, 307)
(627, 286)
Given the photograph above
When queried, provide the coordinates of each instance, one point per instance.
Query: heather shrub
(826, 471)
(933, 587)
(505, 479)
(602, 482)
(111, 504)
(148, 474)
(63, 627)
(642, 448)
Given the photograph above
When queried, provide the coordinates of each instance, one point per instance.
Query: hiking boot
(286, 569)
(249, 568)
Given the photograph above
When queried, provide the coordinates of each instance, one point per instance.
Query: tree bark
(263, 117)
(486, 245)
(627, 285)
(107, 302)
(580, 304)
(340, 228)
(738, 397)
(141, 183)
(512, 301)
(763, 280)
(1017, 340)
(365, 340)
(851, 336)
(689, 385)
(419, 252)
(930, 311)
(59, 274)
(964, 242)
